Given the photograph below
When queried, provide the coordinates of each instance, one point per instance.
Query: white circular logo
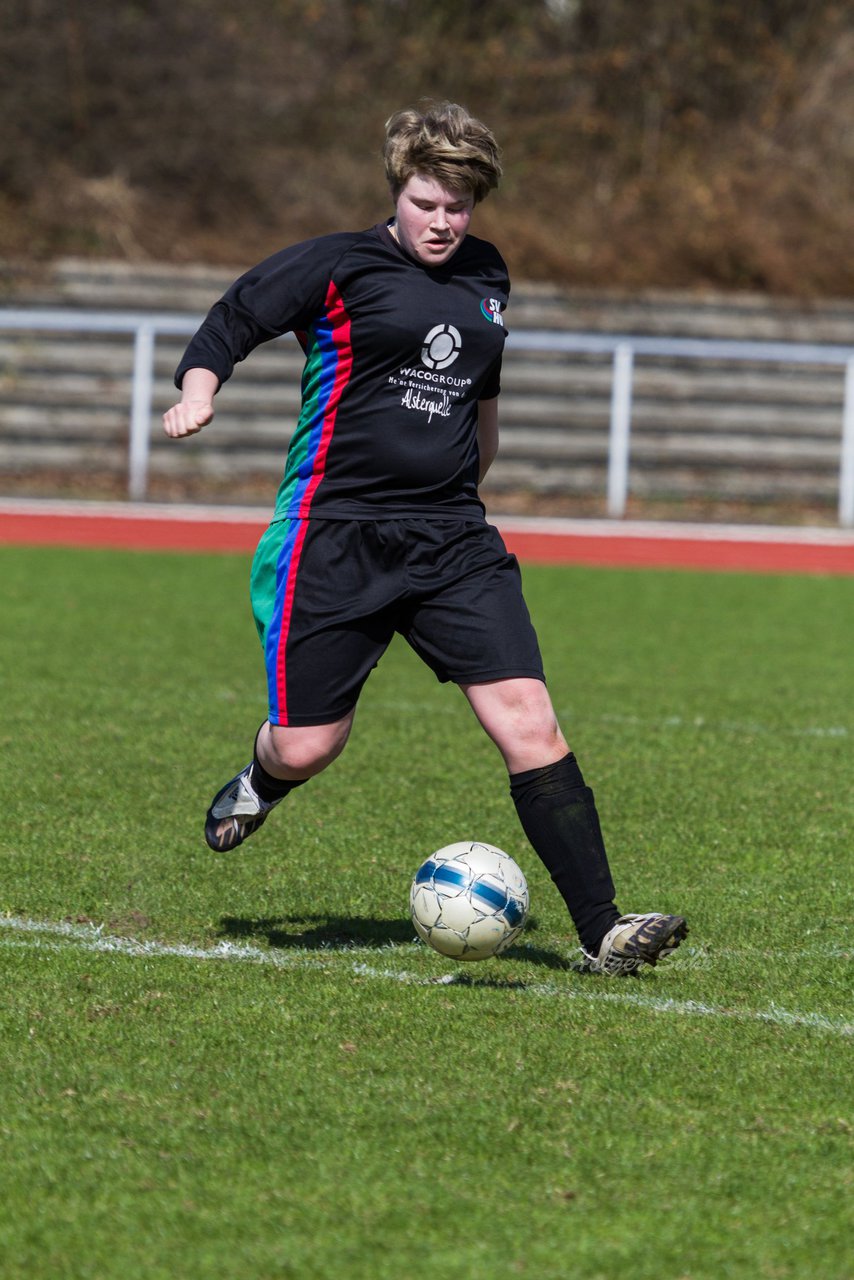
(441, 346)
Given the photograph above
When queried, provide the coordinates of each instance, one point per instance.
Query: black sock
(559, 817)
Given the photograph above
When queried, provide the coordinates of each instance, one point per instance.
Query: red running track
(584, 542)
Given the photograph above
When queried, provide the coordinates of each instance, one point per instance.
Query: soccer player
(378, 527)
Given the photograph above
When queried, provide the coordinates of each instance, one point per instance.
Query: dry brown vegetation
(674, 143)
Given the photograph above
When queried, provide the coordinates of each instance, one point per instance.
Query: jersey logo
(491, 308)
(441, 346)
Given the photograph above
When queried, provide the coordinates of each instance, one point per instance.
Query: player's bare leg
(298, 752)
(519, 717)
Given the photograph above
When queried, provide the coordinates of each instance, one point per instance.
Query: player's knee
(532, 718)
(530, 729)
(540, 734)
(306, 751)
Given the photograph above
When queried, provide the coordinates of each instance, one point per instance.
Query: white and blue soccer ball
(469, 900)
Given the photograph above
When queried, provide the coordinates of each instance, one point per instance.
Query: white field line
(60, 935)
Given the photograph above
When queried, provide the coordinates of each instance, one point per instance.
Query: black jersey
(397, 356)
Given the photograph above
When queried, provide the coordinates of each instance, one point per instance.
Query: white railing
(144, 329)
(623, 349)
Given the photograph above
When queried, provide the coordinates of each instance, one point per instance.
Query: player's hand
(186, 418)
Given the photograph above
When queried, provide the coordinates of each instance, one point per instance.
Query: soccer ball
(469, 900)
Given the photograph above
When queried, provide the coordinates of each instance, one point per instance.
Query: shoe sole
(664, 937)
(229, 838)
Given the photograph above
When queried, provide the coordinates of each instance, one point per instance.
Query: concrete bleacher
(753, 432)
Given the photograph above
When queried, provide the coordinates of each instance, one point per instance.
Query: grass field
(245, 1065)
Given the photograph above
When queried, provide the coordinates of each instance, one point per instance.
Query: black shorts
(329, 595)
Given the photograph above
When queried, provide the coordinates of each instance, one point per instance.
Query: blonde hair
(445, 143)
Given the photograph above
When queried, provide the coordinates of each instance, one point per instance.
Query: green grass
(317, 1095)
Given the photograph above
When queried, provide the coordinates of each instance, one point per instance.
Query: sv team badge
(491, 309)
(441, 346)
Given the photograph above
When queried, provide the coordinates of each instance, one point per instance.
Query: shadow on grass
(320, 932)
(342, 933)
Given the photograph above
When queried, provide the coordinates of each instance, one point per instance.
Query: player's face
(432, 220)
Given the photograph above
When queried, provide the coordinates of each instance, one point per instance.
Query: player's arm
(195, 408)
(487, 433)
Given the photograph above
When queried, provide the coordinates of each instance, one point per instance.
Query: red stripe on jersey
(337, 333)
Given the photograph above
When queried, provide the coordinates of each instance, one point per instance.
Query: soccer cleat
(236, 812)
(633, 941)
